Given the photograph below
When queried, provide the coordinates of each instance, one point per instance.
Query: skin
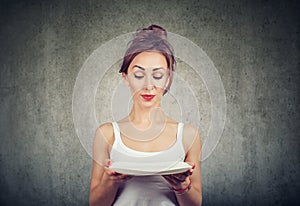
(147, 74)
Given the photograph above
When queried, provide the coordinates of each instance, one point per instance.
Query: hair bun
(158, 31)
(152, 30)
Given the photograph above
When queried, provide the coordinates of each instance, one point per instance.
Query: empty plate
(162, 168)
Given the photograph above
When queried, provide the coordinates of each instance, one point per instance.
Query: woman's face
(147, 78)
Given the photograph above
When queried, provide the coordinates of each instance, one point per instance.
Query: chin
(149, 104)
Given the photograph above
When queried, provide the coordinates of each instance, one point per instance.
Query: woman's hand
(180, 180)
(113, 175)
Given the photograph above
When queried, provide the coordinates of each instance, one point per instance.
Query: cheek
(161, 83)
(136, 85)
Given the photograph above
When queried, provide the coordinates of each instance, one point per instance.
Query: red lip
(148, 97)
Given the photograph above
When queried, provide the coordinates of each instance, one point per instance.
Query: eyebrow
(154, 69)
(139, 67)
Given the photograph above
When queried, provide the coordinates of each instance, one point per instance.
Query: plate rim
(169, 170)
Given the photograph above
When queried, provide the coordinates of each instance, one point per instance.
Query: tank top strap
(116, 131)
(179, 132)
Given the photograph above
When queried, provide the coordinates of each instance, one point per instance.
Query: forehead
(149, 59)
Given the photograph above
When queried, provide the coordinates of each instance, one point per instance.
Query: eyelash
(158, 77)
(140, 77)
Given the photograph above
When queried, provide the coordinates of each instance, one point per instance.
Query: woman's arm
(104, 182)
(192, 196)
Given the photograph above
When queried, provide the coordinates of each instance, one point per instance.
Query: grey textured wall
(253, 44)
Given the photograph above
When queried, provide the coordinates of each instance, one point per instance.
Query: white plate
(163, 168)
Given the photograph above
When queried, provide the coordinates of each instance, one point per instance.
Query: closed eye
(158, 76)
(138, 76)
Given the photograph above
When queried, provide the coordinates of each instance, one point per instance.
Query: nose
(149, 84)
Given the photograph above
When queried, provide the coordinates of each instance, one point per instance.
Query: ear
(125, 78)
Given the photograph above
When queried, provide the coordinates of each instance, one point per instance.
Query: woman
(146, 135)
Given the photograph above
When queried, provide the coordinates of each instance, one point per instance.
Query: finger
(122, 177)
(193, 164)
(108, 162)
(109, 171)
(177, 180)
(188, 172)
(127, 177)
(180, 177)
(171, 180)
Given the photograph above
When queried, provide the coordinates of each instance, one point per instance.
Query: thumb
(108, 162)
(192, 164)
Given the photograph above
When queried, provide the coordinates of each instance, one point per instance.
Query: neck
(145, 117)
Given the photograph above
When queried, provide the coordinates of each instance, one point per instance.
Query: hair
(152, 38)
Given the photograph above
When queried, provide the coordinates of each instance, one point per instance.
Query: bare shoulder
(190, 136)
(106, 131)
(190, 130)
(173, 123)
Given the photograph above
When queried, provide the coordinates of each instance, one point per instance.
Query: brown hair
(152, 38)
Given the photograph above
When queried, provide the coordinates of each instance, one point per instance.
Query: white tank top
(146, 190)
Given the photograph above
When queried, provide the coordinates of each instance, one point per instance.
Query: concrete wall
(253, 44)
